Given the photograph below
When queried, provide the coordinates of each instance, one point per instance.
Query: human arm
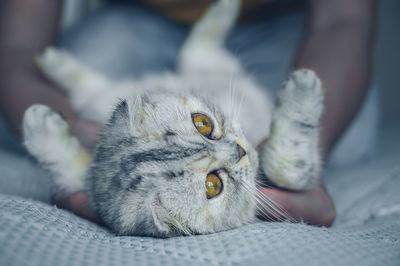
(26, 27)
(338, 46)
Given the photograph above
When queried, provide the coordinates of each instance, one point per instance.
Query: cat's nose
(241, 151)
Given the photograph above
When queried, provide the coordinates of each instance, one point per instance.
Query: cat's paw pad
(301, 96)
(41, 123)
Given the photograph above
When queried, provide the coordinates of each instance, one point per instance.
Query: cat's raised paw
(301, 97)
(41, 126)
(291, 158)
(41, 118)
(47, 137)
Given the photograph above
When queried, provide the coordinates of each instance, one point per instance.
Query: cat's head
(181, 165)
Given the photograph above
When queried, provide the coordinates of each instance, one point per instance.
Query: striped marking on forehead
(170, 153)
(129, 178)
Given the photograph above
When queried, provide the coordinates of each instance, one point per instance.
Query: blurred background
(387, 59)
(387, 56)
(387, 70)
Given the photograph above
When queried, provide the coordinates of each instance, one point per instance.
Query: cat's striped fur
(147, 176)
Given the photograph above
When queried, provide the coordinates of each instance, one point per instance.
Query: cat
(177, 155)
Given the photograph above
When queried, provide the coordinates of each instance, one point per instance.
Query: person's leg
(267, 48)
(360, 141)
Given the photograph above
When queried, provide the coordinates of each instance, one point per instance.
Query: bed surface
(366, 231)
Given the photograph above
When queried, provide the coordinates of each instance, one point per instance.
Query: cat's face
(187, 168)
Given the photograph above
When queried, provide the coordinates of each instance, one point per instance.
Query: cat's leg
(204, 49)
(291, 157)
(89, 91)
(47, 138)
(65, 70)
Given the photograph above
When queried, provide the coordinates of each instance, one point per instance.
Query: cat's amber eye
(213, 185)
(203, 124)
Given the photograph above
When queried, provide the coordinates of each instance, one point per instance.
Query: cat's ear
(127, 119)
(136, 115)
(118, 125)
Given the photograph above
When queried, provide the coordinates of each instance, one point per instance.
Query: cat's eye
(214, 185)
(203, 124)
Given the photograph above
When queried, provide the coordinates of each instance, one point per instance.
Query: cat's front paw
(42, 120)
(291, 157)
(47, 137)
(301, 97)
(42, 128)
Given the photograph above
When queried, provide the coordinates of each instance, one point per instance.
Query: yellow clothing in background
(188, 11)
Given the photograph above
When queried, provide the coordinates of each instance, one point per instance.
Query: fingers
(87, 132)
(78, 203)
(313, 206)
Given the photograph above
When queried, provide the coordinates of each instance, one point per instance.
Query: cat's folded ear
(136, 113)
(127, 118)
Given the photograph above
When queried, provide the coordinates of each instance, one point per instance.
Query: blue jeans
(125, 41)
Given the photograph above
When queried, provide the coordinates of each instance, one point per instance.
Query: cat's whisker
(255, 198)
(175, 223)
(264, 213)
(242, 96)
(272, 212)
(230, 95)
(276, 210)
(229, 109)
(282, 214)
(260, 181)
(232, 113)
(268, 210)
(234, 97)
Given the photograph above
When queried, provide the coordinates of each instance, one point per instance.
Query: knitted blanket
(366, 231)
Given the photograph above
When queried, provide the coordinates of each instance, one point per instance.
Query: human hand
(87, 132)
(78, 203)
(313, 206)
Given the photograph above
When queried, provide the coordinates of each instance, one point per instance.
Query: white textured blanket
(366, 232)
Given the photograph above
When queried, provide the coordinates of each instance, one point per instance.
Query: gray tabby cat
(177, 156)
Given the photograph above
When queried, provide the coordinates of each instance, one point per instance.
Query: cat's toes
(41, 123)
(307, 82)
(50, 59)
(301, 96)
(303, 86)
